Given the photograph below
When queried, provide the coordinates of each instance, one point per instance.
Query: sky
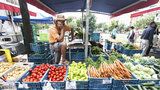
(100, 18)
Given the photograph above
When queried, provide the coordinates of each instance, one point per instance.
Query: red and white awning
(137, 14)
(13, 8)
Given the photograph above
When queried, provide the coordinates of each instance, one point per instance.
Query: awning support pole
(87, 28)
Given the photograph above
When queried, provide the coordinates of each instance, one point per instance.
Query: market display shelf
(30, 85)
(57, 84)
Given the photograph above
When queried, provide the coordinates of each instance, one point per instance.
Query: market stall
(115, 72)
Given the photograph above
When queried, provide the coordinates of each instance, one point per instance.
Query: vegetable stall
(113, 70)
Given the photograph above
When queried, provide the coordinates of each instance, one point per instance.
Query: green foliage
(96, 50)
(144, 21)
(129, 46)
(92, 21)
(102, 26)
(112, 25)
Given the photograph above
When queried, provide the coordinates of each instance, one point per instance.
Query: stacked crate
(41, 53)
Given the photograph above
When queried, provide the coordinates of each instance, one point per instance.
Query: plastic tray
(31, 85)
(55, 85)
(15, 65)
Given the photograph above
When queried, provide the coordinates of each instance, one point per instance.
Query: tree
(112, 25)
(144, 21)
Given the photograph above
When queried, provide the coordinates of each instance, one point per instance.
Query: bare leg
(63, 52)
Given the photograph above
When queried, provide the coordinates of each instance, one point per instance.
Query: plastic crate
(95, 37)
(123, 87)
(100, 83)
(126, 52)
(122, 82)
(120, 50)
(56, 85)
(108, 46)
(31, 85)
(37, 47)
(132, 52)
(39, 58)
(76, 54)
(95, 57)
(78, 85)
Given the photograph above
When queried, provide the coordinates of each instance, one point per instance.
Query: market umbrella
(38, 19)
(112, 7)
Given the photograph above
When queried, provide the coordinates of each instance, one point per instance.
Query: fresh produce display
(144, 86)
(113, 56)
(96, 50)
(77, 72)
(137, 58)
(37, 73)
(57, 73)
(141, 71)
(4, 66)
(108, 69)
(16, 73)
(131, 47)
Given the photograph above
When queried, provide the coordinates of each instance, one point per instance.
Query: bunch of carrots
(116, 70)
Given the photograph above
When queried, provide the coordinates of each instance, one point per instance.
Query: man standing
(56, 39)
(147, 38)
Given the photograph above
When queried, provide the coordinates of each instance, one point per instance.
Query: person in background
(137, 34)
(147, 38)
(114, 32)
(131, 35)
(56, 38)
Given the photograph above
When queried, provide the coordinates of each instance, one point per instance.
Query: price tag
(107, 81)
(71, 85)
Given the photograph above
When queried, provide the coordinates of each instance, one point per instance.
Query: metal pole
(87, 28)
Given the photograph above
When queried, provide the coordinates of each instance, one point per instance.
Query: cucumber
(139, 87)
(143, 88)
(157, 66)
(158, 87)
(131, 88)
(153, 88)
(156, 70)
(148, 84)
